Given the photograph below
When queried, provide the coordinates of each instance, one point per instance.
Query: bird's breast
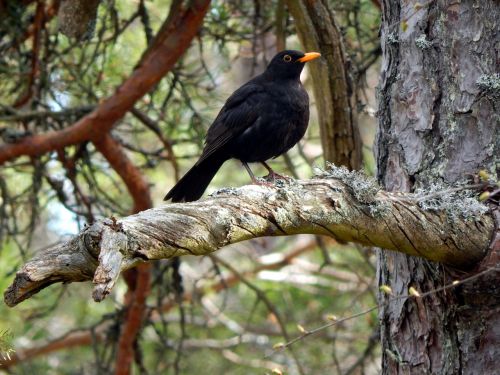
(282, 122)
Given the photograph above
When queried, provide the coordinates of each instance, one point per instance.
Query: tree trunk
(438, 124)
(339, 131)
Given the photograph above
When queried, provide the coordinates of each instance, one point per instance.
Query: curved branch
(318, 206)
(169, 46)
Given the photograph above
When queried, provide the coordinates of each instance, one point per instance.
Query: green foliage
(5, 344)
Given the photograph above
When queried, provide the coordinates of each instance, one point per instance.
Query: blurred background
(216, 315)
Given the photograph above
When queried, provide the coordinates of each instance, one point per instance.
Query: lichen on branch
(337, 203)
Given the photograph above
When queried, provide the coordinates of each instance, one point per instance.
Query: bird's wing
(241, 110)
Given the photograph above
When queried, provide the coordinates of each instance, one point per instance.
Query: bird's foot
(273, 176)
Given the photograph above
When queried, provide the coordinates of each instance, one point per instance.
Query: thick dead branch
(318, 206)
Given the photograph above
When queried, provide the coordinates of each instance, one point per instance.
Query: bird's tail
(194, 183)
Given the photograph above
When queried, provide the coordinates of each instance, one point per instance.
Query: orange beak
(309, 56)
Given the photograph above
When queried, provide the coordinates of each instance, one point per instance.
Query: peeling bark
(438, 123)
(318, 206)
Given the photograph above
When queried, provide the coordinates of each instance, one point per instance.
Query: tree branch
(35, 63)
(135, 300)
(170, 45)
(130, 174)
(138, 279)
(68, 341)
(343, 210)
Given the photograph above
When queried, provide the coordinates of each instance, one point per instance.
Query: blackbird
(262, 119)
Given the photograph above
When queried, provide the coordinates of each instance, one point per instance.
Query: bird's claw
(271, 180)
(273, 176)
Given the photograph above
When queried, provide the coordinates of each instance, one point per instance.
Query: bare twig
(334, 322)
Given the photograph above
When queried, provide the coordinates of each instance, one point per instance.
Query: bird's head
(289, 64)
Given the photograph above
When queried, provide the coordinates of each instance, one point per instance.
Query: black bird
(263, 119)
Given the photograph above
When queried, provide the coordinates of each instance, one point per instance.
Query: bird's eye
(287, 58)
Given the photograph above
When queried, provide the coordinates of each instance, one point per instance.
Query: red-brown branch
(37, 30)
(135, 300)
(129, 173)
(138, 279)
(50, 12)
(171, 43)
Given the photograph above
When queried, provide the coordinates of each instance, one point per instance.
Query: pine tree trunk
(438, 123)
(318, 31)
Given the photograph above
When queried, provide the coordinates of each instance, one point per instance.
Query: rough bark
(77, 18)
(319, 32)
(346, 208)
(439, 123)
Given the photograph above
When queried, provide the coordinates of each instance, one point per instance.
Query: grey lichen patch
(462, 204)
(223, 216)
(450, 128)
(489, 83)
(290, 192)
(363, 187)
(392, 38)
(422, 42)
(225, 190)
(379, 209)
(280, 183)
(252, 222)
